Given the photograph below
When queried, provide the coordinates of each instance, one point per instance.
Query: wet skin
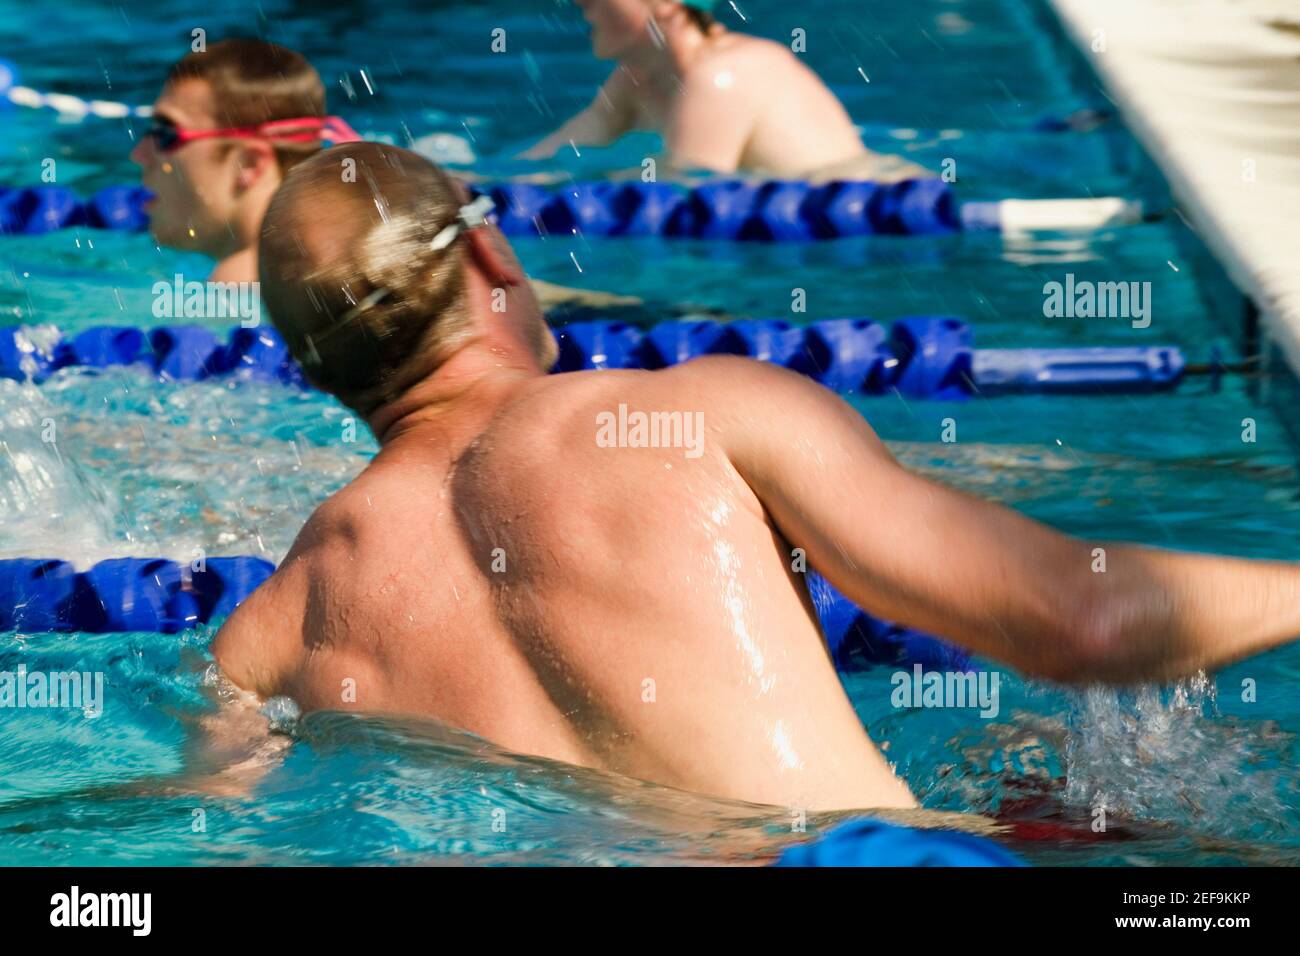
(498, 568)
(646, 620)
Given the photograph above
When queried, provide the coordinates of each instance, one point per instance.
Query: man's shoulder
(334, 522)
(724, 374)
(573, 396)
(745, 394)
(257, 640)
(746, 55)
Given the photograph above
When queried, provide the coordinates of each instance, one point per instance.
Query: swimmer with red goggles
(230, 121)
(248, 111)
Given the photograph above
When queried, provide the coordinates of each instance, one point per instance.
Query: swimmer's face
(617, 26)
(197, 188)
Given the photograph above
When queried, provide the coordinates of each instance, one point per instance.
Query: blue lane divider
(921, 356)
(123, 594)
(858, 640)
(33, 210)
(876, 843)
(728, 209)
(178, 352)
(162, 596)
(731, 209)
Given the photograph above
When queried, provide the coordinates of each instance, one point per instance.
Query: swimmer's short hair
(347, 223)
(705, 21)
(255, 82)
(700, 12)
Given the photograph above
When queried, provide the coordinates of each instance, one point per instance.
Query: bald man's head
(366, 306)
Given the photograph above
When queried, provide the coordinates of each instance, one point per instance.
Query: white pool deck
(1212, 90)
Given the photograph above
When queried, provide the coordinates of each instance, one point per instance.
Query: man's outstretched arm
(605, 119)
(918, 552)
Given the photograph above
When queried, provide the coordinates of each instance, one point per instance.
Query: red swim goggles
(168, 137)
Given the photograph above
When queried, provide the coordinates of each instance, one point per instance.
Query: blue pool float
(728, 209)
(123, 594)
(8, 76)
(100, 347)
(39, 209)
(858, 640)
(876, 843)
(36, 595)
(847, 355)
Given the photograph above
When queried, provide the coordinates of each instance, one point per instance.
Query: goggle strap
(471, 216)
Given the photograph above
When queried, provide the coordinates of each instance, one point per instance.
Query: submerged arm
(551, 296)
(228, 751)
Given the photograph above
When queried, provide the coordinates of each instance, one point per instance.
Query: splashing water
(1167, 754)
(49, 505)
(244, 464)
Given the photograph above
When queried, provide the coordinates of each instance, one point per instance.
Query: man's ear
(667, 13)
(489, 253)
(254, 160)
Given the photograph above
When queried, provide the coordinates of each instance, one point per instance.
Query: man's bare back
(513, 566)
(630, 609)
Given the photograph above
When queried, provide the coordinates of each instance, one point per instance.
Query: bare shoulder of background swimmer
(714, 114)
(611, 114)
(913, 550)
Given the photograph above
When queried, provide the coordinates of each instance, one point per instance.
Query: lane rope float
(62, 103)
(785, 210)
(730, 210)
(930, 357)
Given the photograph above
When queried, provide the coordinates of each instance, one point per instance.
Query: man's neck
(237, 262)
(661, 66)
(454, 403)
(238, 266)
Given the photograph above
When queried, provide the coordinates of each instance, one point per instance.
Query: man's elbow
(1112, 635)
(1077, 630)
(1093, 635)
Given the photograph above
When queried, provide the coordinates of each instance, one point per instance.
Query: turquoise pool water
(1190, 774)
